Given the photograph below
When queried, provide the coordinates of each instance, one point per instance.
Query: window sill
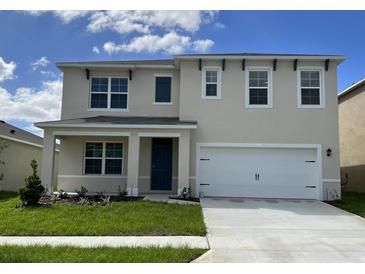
(108, 109)
(312, 106)
(162, 103)
(211, 98)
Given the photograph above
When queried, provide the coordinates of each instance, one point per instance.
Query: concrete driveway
(274, 230)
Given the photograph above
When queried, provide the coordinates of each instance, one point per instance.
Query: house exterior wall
(226, 120)
(141, 89)
(352, 139)
(17, 157)
(71, 174)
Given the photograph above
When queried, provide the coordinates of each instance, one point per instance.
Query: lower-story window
(103, 158)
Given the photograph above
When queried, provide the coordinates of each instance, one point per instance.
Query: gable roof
(13, 133)
(351, 88)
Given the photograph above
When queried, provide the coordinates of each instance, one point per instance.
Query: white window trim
(103, 158)
(322, 96)
(219, 82)
(269, 87)
(109, 93)
(154, 85)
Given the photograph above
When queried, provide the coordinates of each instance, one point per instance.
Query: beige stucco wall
(228, 121)
(352, 139)
(71, 175)
(17, 157)
(76, 93)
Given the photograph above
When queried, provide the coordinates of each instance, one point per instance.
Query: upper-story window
(109, 93)
(310, 88)
(258, 87)
(211, 86)
(163, 89)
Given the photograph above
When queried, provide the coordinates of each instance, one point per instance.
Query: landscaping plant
(33, 189)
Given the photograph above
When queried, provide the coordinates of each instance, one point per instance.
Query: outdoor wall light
(329, 152)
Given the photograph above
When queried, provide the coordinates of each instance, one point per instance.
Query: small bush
(32, 191)
(122, 192)
(185, 194)
(82, 192)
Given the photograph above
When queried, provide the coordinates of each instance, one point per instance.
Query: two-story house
(225, 125)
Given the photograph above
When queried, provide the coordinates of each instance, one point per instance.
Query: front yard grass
(133, 218)
(67, 254)
(352, 202)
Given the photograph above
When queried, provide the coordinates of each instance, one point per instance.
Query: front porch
(138, 158)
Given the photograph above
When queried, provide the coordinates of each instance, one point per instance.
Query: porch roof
(121, 122)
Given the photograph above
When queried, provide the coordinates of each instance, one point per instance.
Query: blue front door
(161, 169)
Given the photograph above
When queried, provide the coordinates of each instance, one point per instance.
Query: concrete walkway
(109, 241)
(259, 230)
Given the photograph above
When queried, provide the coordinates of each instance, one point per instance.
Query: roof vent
(2, 121)
(12, 131)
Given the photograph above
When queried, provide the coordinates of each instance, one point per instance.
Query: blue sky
(30, 86)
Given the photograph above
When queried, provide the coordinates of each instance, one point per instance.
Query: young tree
(33, 189)
(2, 147)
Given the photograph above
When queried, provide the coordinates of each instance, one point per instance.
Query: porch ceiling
(121, 122)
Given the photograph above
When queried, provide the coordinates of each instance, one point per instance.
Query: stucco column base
(184, 161)
(133, 164)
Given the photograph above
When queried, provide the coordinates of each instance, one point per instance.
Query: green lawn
(124, 218)
(352, 202)
(67, 254)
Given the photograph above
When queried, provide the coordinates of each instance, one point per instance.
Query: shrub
(2, 147)
(82, 192)
(185, 193)
(32, 191)
(122, 192)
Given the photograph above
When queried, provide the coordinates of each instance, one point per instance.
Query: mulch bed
(89, 200)
(191, 199)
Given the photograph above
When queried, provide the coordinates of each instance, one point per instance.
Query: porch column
(184, 161)
(133, 164)
(47, 165)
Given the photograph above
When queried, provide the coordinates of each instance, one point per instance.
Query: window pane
(99, 100)
(310, 79)
(94, 150)
(163, 89)
(118, 101)
(92, 166)
(114, 150)
(119, 85)
(211, 90)
(258, 96)
(99, 84)
(258, 78)
(113, 166)
(310, 96)
(211, 76)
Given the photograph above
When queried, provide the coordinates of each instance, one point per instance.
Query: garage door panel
(258, 172)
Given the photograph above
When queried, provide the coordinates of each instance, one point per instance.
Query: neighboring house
(229, 125)
(22, 147)
(352, 136)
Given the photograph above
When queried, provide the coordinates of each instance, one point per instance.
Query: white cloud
(6, 70)
(136, 21)
(202, 45)
(96, 50)
(219, 25)
(69, 15)
(171, 43)
(32, 105)
(41, 62)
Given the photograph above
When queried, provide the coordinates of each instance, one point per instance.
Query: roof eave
(339, 58)
(108, 66)
(44, 125)
(351, 88)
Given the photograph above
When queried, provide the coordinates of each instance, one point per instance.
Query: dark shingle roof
(115, 120)
(11, 131)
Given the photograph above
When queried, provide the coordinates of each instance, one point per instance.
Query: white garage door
(258, 172)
